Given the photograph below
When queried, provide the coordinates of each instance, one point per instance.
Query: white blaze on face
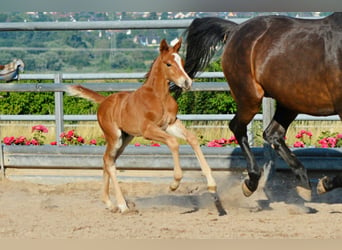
(178, 60)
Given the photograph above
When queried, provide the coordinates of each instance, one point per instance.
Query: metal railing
(58, 87)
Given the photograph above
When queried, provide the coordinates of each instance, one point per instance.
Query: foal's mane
(147, 75)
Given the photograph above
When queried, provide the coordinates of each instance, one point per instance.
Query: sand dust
(74, 210)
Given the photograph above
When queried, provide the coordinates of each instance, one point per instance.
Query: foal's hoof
(245, 190)
(174, 186)
(320, 186)
(212, 189)
(304, 193)
(129, 209)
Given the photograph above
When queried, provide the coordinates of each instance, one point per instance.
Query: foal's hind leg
(177, 129)
(275, 134)
(116, 144)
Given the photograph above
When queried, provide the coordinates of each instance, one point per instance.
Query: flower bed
(71, 137)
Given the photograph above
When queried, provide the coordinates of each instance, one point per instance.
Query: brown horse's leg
(327, 184)
(178, 129)
(152, 132)
(275, 134)
(239, 127)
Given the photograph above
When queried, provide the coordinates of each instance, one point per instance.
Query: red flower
(34, 142)
(214, 144)
(9, 140)
(155, 144)
(93, 142)
(308, 133)
(222, 141)
(137, 144)
(299, 135)
(70, 134)
(53, 143)
(299, 144)
(40, 128)
(80, 139)
(20, 140)
(232, 139)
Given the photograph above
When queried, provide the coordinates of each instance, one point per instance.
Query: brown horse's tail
(78, 90)
(202, 39)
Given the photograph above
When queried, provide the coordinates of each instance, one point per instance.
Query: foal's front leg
(178, 129)
(153, 132)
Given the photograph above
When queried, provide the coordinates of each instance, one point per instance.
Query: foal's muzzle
(186, 84)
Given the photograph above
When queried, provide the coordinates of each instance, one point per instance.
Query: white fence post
(59, 110)
(268, 109)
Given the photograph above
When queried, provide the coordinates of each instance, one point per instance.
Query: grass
(204, 130)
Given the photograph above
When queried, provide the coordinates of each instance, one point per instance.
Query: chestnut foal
(150, 112)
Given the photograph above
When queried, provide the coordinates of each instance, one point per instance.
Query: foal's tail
(78, 90)
(202, 40)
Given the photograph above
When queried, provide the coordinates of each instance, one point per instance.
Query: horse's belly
(308, 103)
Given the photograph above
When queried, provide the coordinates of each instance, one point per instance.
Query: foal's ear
(163, 46)
(178, 45)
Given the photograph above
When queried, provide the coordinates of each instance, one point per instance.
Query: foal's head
(172, 65)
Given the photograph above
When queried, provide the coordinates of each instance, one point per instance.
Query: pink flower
(93, 142)
(299, 144)
(299, 135)
(154, 144)
(9, 140)
(70, 134)
(20, 140)
(222, 141)
(34, 142)
(40, 128)
(308, 133)
(213, 144)
(232, 139)
(80, 139)
(137, 144)
(332, 141)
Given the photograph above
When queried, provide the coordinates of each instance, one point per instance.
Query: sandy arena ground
(30, 210)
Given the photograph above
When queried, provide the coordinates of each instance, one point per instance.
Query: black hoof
(247, 189)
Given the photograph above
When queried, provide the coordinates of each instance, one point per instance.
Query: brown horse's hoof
(304, 193)
(320, 187)
(245, 190)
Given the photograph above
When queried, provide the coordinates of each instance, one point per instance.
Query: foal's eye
(168, 64)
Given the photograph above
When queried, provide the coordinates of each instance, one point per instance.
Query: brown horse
(150, 111)
(295, 61)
